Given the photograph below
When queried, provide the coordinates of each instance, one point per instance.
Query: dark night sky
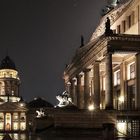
(41, 37)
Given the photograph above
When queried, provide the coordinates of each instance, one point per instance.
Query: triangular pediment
(11, 106)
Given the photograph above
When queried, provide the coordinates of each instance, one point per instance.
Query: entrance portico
(113, 53)
(13, 117)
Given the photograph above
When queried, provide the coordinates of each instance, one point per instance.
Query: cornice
(98, 48)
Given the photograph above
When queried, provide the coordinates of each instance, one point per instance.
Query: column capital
(73, 80)
(108, 53)
(96, 62)
(86, 70)
(79, 75)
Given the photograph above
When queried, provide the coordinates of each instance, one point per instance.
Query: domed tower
(9, 81)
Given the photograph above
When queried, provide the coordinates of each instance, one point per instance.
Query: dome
(7, 63)
(39, 103)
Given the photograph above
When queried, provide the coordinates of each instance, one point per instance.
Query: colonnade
(81, 94)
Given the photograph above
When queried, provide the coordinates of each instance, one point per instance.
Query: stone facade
(109, 64)
(13, 111)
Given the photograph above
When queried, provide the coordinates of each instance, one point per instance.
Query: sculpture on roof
(40, 113)
(64, 99)
(108, 31)
(110, 5)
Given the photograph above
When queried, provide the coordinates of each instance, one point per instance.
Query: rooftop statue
(110, 5)
(64, 99)
(40, 113)
(108, 31)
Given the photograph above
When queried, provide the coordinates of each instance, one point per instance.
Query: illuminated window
(117, 77)
(1, 125)
(15, 116)
(1, 117)
(122, 128)
(15, 126)
(22, 126)
(9, 73)
(8, 121)
(131, 71)
(22, 117)
(16, 136)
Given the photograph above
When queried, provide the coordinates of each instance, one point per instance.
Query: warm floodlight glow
(21, 104)
(121, 99)
(91, 107)
(122, 128)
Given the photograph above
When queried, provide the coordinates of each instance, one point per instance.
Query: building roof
(13, 106)
(39, 103)
(7, 63)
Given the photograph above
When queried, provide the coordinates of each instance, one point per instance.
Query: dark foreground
(61, 134)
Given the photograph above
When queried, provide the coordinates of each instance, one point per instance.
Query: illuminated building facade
(12, 110)
(105, 73)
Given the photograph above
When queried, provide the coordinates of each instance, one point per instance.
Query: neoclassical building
(13, 111)
(104, 74)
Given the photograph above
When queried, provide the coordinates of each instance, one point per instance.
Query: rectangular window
(118, 29)
(15, 126)
(15, 116)
(1, 125)
(22, 126)
(1, 117)
(131, 71)
(124, 26)
(22, 117)
(129, 21)
(117, 78)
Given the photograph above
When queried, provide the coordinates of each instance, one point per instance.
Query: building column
(80, 94)
(86, 88)
(4, 120)
(137, 82)
(96, 83)
(109, 83)
(68, 86)
(123, 96)
(12, 121)
(73, 91)
(18, 121)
